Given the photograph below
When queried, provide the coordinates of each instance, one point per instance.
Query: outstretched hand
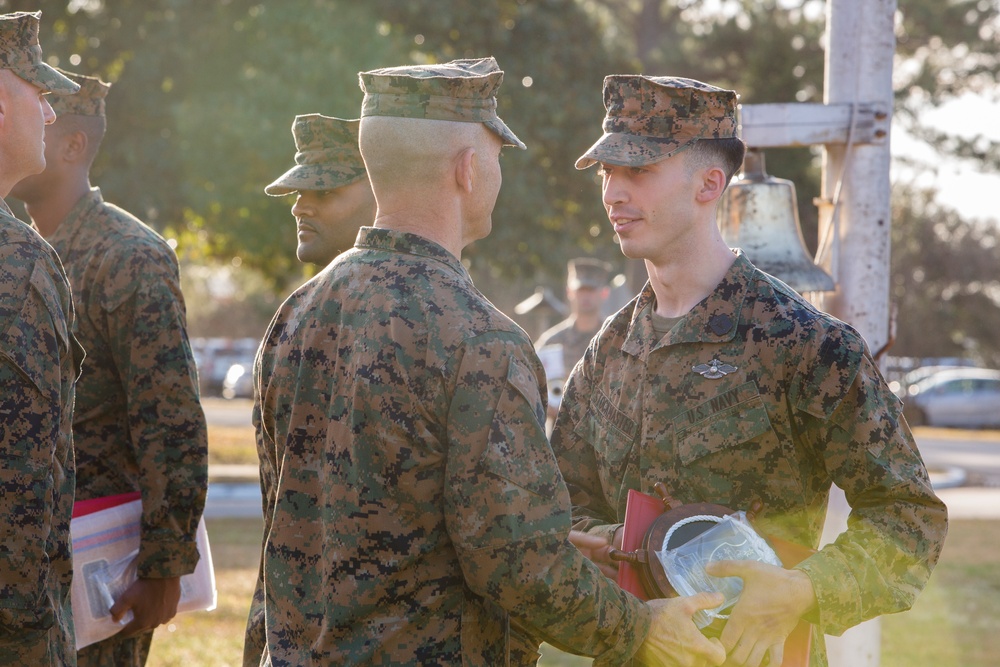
(597, 550)
(674, 640)
(772, 603)
(153, 602)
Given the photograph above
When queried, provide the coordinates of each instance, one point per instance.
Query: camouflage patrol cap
(88, 101)
(460, 90)
(326, 155)
(651, 118)
(21, 53)
(587, 272)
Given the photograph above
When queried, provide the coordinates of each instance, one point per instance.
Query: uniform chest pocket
(728, 447)
(609, 431)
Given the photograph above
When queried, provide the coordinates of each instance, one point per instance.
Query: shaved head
(414, 151)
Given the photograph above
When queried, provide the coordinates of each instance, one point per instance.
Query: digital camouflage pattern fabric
(461, 90)
(326, 155)
(414, 513)
(138, 425)
(650, 118)
(755, 394)
(87, 101)
(39, 363)
(21, 53)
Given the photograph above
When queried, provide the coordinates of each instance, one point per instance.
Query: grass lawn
(953, 624)
(231, 445)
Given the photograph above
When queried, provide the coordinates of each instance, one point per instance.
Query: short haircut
(725, 153)
(94, 127)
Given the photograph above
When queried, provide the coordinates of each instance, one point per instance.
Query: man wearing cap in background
(138, 424)
(724, 384)
(413, 510)
(334, 198)
(587, 288)
(39, 363)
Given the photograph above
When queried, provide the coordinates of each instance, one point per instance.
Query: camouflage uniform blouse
(138, 424)
(39, 362)
(798, 405)
(412, 505)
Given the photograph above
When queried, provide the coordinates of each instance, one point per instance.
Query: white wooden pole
(854, 220)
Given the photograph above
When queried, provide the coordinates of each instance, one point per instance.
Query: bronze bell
(758, 214)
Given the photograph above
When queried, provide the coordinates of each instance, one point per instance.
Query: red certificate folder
(641, 510)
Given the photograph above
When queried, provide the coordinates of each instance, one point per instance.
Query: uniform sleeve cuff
(640, 617)
(838, 596)
(160, 560)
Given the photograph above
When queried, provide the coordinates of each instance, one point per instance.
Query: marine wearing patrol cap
(460, 90)
(21, 53)
(652, 118)
(88, 101)
(587, 272)
(326, 155)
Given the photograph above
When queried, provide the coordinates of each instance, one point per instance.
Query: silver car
(963, 398)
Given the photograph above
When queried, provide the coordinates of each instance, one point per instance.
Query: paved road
(975, 455)
(222, 412)
(969, 460)
(975, 452)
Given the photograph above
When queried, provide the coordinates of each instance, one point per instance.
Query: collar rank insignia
(714, 369)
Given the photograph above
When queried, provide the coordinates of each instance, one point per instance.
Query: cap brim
(313, 177)
(509, 138)
(629, 150)
(47, 78)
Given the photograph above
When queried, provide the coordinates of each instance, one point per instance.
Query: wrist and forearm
(564, 597)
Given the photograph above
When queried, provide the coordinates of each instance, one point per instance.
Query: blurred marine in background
(138, 423)
(39, 362)
(587, 289)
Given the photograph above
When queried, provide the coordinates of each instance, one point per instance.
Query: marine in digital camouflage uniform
(738, 389)
(334, 198)
(587, 288)
(414, 514)
(39, 363)
(138, 424)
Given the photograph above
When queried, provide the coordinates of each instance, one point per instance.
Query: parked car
(215, 356)
(963, 398)
(919, 374)
(238, 382)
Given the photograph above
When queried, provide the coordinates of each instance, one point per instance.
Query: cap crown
(651, 118)
(21, 53)
(668, 107)
(460, 90)
(587, 272)
(88, 101)
(326, 155)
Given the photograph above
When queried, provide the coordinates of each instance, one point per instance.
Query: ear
(713, 184)
(465, 169)
(74, 146)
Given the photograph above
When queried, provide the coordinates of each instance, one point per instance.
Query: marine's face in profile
(327, 221)
(26, 112)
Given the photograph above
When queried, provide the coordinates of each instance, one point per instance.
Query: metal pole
(854, 219)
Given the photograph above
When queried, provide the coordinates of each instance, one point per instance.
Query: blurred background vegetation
(205, 92)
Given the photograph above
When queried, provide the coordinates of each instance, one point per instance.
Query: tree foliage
(547, 212)
(205, 92)
(945, 281)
